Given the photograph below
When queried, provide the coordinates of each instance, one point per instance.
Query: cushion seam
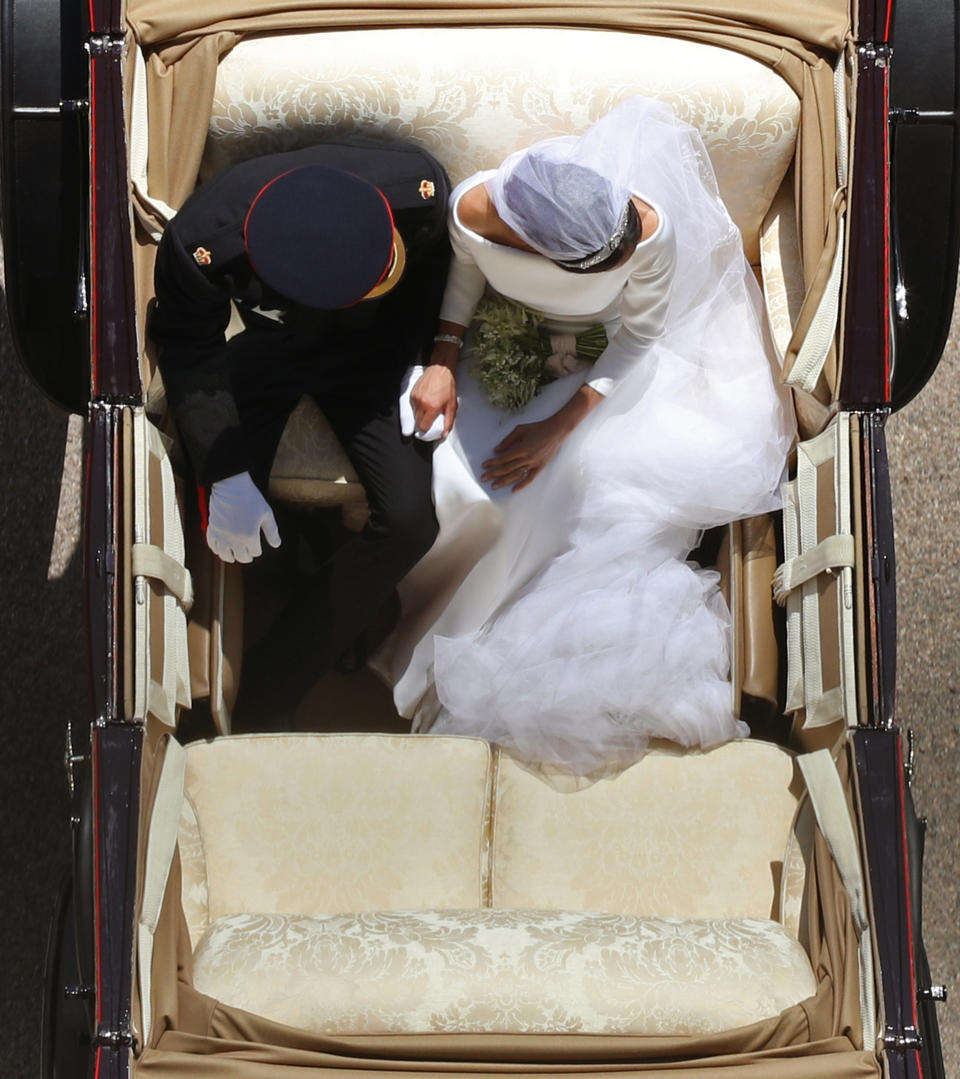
(497, 756)
(203, 849)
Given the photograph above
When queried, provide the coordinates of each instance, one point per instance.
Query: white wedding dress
(563, 621)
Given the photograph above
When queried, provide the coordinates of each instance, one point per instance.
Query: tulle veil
(608, 637)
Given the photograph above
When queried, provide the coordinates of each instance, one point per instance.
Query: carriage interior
(348, 895)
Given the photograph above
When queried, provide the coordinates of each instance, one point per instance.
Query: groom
(335, 257)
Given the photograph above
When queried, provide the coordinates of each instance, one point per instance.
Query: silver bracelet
(452, 338)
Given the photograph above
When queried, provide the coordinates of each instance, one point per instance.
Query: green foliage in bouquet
(511, 350)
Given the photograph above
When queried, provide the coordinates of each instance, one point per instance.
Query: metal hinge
(910, 763)
(71, 758)
(935, 992)
(879, 55)
(67, 107)
(112, 1039)
(910, 117)
(907, 1041)
(109, 45)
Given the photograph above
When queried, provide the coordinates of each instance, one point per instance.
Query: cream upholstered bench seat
(503, 971)
(351, 884)
(472, 96)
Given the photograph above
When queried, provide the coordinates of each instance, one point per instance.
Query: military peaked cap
(322, 237)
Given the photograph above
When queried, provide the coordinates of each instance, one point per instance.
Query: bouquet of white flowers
(514, 356)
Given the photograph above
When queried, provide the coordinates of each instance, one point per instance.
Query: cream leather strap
(161, 844)
(140, 153)
(831, 553)
(819, 336)
(833, 817)
(152, 561)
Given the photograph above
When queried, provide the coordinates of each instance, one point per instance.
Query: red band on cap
(393, 227)
(390, 256)
(256, 199)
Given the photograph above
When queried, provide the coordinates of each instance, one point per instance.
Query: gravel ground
(925, 475)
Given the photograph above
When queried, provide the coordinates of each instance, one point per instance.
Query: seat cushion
(308, 440)
(680, 834)
(328, 823)
(502, 971)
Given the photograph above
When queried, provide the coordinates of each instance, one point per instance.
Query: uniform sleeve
(430, 275)
(406, 317)
(188, 325)
(465, 282)
(643, 311)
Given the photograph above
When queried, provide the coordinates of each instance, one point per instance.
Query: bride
(557, 615)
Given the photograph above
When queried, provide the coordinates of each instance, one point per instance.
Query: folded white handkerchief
(407, 422)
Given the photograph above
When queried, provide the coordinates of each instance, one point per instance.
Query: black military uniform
(231, 400)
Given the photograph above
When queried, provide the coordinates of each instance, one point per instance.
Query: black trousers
(270, 370)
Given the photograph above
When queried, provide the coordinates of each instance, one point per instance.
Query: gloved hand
(236, 515)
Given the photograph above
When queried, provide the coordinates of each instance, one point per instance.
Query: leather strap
(831, 553)
(833, 818)
(161, 845)
(152, 561)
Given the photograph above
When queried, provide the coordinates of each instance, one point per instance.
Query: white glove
(408, 424)
(236, 514)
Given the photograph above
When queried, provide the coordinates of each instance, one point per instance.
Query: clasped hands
(434, 395)
(518, 458)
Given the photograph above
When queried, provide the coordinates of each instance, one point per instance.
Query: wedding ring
(525, 473)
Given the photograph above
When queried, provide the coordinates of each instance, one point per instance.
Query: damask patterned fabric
(321, 824)
(308, 439)
(502, 971)
(326, 823)
(471, 97)
(782, 277)
(680, 834)
(797, 865)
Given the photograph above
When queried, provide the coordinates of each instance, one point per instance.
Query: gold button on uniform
(202, 257)
(427, 189)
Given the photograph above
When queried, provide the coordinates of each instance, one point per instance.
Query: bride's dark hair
(567, 211)
(632, 231)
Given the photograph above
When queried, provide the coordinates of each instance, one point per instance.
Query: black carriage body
(925, 186)
(44, 95)
(69, 284)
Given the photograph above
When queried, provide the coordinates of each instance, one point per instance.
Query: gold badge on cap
(202, 257)
(427, 189)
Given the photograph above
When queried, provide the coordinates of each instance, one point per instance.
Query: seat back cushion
(679, 835)
(474, 95)
(311, 824)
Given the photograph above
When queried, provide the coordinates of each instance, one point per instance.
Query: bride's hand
(525, 452)
(435, 392)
